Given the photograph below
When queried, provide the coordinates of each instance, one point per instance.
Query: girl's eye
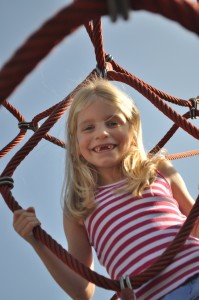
(88, 128)
(112, 123)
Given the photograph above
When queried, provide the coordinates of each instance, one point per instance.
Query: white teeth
(97, 149)
(103, 148)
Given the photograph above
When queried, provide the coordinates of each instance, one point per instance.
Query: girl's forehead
(96, 101)
(98, 109)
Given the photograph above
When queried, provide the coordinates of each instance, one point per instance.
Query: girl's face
(104, 137)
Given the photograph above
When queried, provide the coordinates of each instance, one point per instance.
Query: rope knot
(6, 180)
(108, 67)
(193, 109)
(28, 125)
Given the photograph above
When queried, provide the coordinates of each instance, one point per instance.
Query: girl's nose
(102, 133)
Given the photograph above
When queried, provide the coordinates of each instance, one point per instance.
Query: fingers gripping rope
(118, 7)
(127, 292)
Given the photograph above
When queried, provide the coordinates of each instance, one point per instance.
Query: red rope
(54, 30)
(42, 131)
(169, 134)
(28, 56)
(159, 93)
(94, 277)
(156, 101)
(183, 154)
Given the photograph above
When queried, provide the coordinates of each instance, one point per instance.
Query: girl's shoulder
(178, 186)
(166, 169)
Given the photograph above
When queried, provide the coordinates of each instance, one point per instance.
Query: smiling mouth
(104, 148)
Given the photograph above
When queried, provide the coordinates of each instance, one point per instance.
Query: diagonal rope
(53, 31)
(29, 55)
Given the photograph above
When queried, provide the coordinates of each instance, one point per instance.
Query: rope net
(25, 59)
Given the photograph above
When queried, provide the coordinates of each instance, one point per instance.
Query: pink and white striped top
(129, 233)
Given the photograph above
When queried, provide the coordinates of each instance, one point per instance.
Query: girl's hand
(24, 222)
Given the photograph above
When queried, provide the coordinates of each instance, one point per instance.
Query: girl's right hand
(24, 222)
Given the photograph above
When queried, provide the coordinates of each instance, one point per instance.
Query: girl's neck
(108, 178)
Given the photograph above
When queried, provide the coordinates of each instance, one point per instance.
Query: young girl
(126, 204)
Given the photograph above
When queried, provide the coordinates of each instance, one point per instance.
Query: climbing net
(29, 55)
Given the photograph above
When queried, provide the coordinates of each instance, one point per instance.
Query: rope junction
(25, 59)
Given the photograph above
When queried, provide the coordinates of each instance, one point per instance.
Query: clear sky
(157, 50)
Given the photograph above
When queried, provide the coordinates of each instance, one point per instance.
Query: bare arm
(73, 284)
(180, 192)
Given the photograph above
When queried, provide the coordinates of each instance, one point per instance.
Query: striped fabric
(129, 233)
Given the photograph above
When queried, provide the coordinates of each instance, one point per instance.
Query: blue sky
(157, 50)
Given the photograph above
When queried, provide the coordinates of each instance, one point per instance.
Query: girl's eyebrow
(87, 121)
(116, 115)
(107, 118)
(112, 116)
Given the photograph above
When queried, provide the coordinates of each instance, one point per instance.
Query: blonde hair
(81, 177)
